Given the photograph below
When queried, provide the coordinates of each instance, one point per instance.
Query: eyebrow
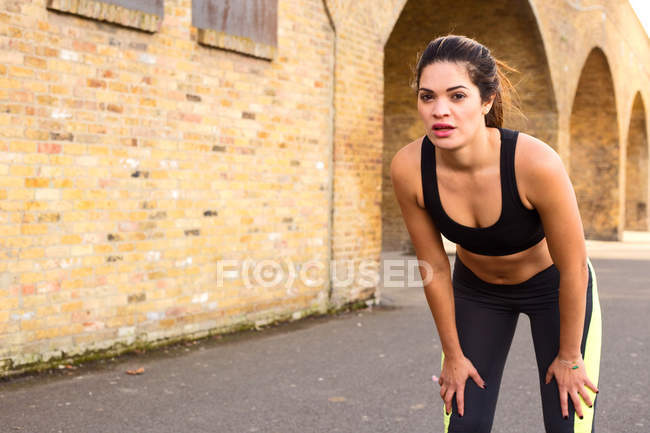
(448, 90)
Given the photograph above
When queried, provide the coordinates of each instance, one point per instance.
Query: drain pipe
(330, 157)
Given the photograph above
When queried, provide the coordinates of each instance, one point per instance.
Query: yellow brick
(36, 182)
(33, 301)
(84, 204)
(81, 273)
(21, 171)
(81, 250)
(71, 239)
(47, 310)
(47, 333)
(71, 306)
(36, 159)
(36, 86)
(125, 247)
(74, 194)
(62, 159)
(19, 71)
(35, 134)
(32, 253)
(62, 183)
(10, 83)
(22, 146)
(99, 150)
(58, 320)
(10, 303)
(34, 229)
(31, 325)
(20, 194)
(47, 194)
(76, 148)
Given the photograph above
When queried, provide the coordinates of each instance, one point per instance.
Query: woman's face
(450, 104)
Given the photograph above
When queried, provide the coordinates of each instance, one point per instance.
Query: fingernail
(580, 417)
(566, 416)
(596, 391)
(446, 413)
(590, 406)
(460, 415)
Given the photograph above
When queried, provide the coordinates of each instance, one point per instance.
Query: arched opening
(510, 30)
(595, 149)
(636, 169)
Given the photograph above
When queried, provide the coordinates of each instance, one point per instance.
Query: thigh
(485, 332)
(545, 327)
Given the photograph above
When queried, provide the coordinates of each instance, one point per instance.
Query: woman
(520, 245)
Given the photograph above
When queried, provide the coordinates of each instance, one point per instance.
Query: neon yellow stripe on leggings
(592, 356)
(444, 411)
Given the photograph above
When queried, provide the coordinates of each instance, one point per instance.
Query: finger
(577, 404)
(460, 401)
(448, 397)
(477, 379)
(585, 396)
(564, 404)
(591, 385)
(440, 381)
(549, 375)
(443, 390)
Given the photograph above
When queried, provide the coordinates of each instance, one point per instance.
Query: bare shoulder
(537, 164)
(532, 152)
(405, 165)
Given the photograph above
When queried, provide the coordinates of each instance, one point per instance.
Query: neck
(473, 155)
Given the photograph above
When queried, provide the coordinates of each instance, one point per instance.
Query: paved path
(365, 371)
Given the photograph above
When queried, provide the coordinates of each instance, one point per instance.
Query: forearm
(440, 297)
(573, 298)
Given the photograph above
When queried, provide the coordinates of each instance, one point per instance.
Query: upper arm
(426, 238)
(549, 189)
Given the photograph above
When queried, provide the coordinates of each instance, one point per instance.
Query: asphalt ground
(359, 371)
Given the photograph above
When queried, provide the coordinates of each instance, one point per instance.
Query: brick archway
(594, 149)
(636, 169)
(511, 31)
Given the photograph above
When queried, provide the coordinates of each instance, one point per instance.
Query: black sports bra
(518, 227)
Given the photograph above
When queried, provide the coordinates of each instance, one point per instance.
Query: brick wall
(132, 163)
(595, 149)
(636, 182)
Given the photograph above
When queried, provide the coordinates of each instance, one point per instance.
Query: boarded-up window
(246, 26)
(140, 14)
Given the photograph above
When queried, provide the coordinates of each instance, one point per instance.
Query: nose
(440, 108)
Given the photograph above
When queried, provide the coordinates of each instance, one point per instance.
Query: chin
(446, 142)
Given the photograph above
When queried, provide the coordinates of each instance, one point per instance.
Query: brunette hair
(485, 71)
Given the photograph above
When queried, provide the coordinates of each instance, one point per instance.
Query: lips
(441, 126)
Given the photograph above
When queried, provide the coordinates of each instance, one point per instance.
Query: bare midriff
(511, 269)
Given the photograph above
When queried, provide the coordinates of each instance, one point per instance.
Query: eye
(458, 96)
(425, 97)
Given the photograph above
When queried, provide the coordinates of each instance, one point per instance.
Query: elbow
(436, 277)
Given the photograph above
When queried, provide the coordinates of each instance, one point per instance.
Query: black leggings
(486, 317)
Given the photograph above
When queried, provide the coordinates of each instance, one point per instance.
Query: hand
(453, 376)
(572, 382)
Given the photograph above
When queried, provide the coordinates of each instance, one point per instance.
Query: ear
(487, 106)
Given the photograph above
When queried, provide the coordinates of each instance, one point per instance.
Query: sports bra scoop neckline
(503, 198)
(517, 227)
